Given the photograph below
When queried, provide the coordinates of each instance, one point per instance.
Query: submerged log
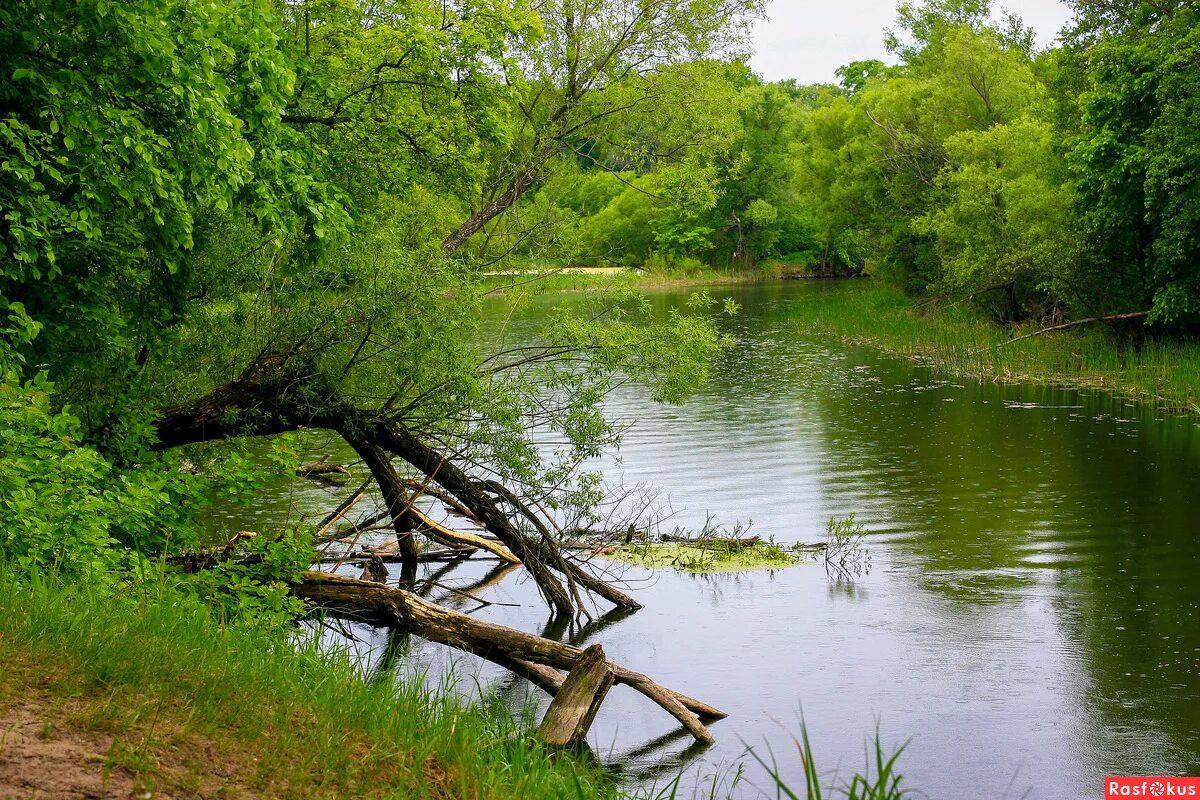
(525, 653)
(730, 543)
(319, 469)
(570, 715)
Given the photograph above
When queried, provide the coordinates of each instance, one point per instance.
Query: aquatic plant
(845, 556)
(879, 780)
(1161, 372)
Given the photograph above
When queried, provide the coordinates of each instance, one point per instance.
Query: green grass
(178, 696)
(880, 780)
(698, 560)
(1162, 372)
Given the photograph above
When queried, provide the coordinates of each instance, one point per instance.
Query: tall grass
(190, 704)
(1162, 372)
(879, 781)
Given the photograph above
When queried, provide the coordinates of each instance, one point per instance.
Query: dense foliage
(1052, 184)
(238, 218)
(247, 217)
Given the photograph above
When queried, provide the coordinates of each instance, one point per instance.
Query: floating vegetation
(712, 550)
(695, 558)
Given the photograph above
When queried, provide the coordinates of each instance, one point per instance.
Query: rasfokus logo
(1157, 786)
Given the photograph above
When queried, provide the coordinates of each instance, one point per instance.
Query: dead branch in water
(506, 646)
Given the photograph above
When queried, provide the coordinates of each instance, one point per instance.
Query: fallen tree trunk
(271, 396)
(1066, 325)
(321, 468)
(506, 646)
(574, 708)
(425, 556)
(537, 557)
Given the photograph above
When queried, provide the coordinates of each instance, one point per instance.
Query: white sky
(809, 39)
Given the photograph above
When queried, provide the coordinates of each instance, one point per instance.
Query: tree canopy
(251, 217)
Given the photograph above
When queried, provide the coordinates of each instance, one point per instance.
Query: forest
(241, 221)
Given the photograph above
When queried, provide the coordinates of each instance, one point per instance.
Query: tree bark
(517, 187)
(395, 496)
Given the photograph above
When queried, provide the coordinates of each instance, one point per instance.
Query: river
(1029, 621)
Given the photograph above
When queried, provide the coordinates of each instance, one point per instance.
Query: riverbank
(567, 279)
(1161, 373)
(145, 697)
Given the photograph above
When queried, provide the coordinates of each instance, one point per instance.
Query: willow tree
(228, 220)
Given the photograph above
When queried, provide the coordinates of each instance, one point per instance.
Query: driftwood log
(533, 657)
(573, 709)
(318, 469)
(452, 538)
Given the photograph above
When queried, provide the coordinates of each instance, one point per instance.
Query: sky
(809, 39)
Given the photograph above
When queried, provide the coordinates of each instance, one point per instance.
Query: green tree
(1005, 221)
(596, 67)
(870, 160)
(1135, 158)
(120, 124)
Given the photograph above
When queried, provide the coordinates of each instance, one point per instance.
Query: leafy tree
(759, 209)
(870, 160)
(228, 221)
(596, 67)
(1005, 221)
(1135, 159)
(120, 123)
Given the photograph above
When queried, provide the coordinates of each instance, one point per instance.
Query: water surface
(1029, 623)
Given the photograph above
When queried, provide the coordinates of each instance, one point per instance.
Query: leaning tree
(244, 218)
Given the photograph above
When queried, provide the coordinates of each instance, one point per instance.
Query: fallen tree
(532, 657)
(413, 452)
(272, 396)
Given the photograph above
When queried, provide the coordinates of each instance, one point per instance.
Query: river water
(1029, 623)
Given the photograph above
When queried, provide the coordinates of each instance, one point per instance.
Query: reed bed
(1161, 372)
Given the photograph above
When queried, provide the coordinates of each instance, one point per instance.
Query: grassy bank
(1163, 373)
(146, 698)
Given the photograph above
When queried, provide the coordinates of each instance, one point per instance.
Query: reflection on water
(1029, 624)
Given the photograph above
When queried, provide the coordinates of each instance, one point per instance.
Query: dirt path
(42, 758)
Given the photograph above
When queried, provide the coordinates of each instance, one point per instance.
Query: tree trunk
(520, 183)
(569, 717)
(272, 396)
(401, 442)
(453, 538)
(395, 496)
